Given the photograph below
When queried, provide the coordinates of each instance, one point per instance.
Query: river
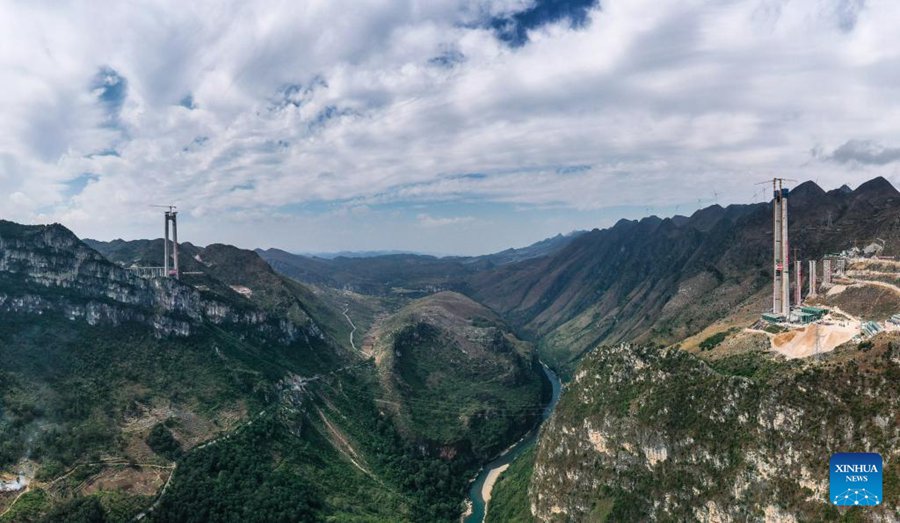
(490, 472)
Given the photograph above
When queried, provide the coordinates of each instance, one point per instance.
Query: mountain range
(111, 380)
(650, 280)
(265, 385)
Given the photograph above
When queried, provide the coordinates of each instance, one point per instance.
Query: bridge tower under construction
(171, 270)
(812, 279)
(781, 287)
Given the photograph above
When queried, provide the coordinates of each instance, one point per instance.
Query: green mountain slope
(663, 280)
(238, 275)
(456, 379)
(96, 360)
(235, 404)
(509, 498)
(645, 434)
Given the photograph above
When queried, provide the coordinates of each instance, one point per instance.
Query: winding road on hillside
(228, 435)
(24, 491)
(877, 283)
(344, 312)
(106, 462)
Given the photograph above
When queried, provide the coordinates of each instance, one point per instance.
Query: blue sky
(451, 126)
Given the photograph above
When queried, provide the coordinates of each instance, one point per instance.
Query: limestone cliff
(646, 434)
(46, 268)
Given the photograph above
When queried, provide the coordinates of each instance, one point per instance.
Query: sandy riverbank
(489, 481)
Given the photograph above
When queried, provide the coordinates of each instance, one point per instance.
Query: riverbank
(490, 480)
(481, 488)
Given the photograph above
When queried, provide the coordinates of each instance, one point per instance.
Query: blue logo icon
(856, 479)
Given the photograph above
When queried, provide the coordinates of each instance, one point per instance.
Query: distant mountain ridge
(544, 247)
(512, 254)
(649, 280)
(418, 273)
(661, 280)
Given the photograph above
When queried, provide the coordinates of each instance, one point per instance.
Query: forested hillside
(456, 378)
(235, 393)
(645, 433)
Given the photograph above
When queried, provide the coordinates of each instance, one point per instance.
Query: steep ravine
(480, 490)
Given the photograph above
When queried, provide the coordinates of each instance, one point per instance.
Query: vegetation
(691, 426)
(81, 387)
(245, 480)
(868, 301)
(509, 499)
(758, 365)
(72, 379)
(65, 387)
(432, 486)
(464, 384)
(713, 341)
(30, 507)
(271, 472)
(79, 510)
(161, 441)
(108, 507)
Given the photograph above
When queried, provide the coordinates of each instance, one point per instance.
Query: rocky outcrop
(292, 401)
(660, 435)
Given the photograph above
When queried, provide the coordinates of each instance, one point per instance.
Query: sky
(442, 126)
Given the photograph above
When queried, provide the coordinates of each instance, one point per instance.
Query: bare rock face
(660, 435)
(47, 269)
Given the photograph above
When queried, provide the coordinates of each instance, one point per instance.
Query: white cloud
(426, 220)
(658, 100)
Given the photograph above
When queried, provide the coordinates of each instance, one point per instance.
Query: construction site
(806, 318)
(818, 303)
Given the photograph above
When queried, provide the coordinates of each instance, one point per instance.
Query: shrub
(713, 341)
(163, 443)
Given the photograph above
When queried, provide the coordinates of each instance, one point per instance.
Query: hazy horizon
(389, 250)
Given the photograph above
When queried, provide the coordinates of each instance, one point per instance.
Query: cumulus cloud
(243, 110)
